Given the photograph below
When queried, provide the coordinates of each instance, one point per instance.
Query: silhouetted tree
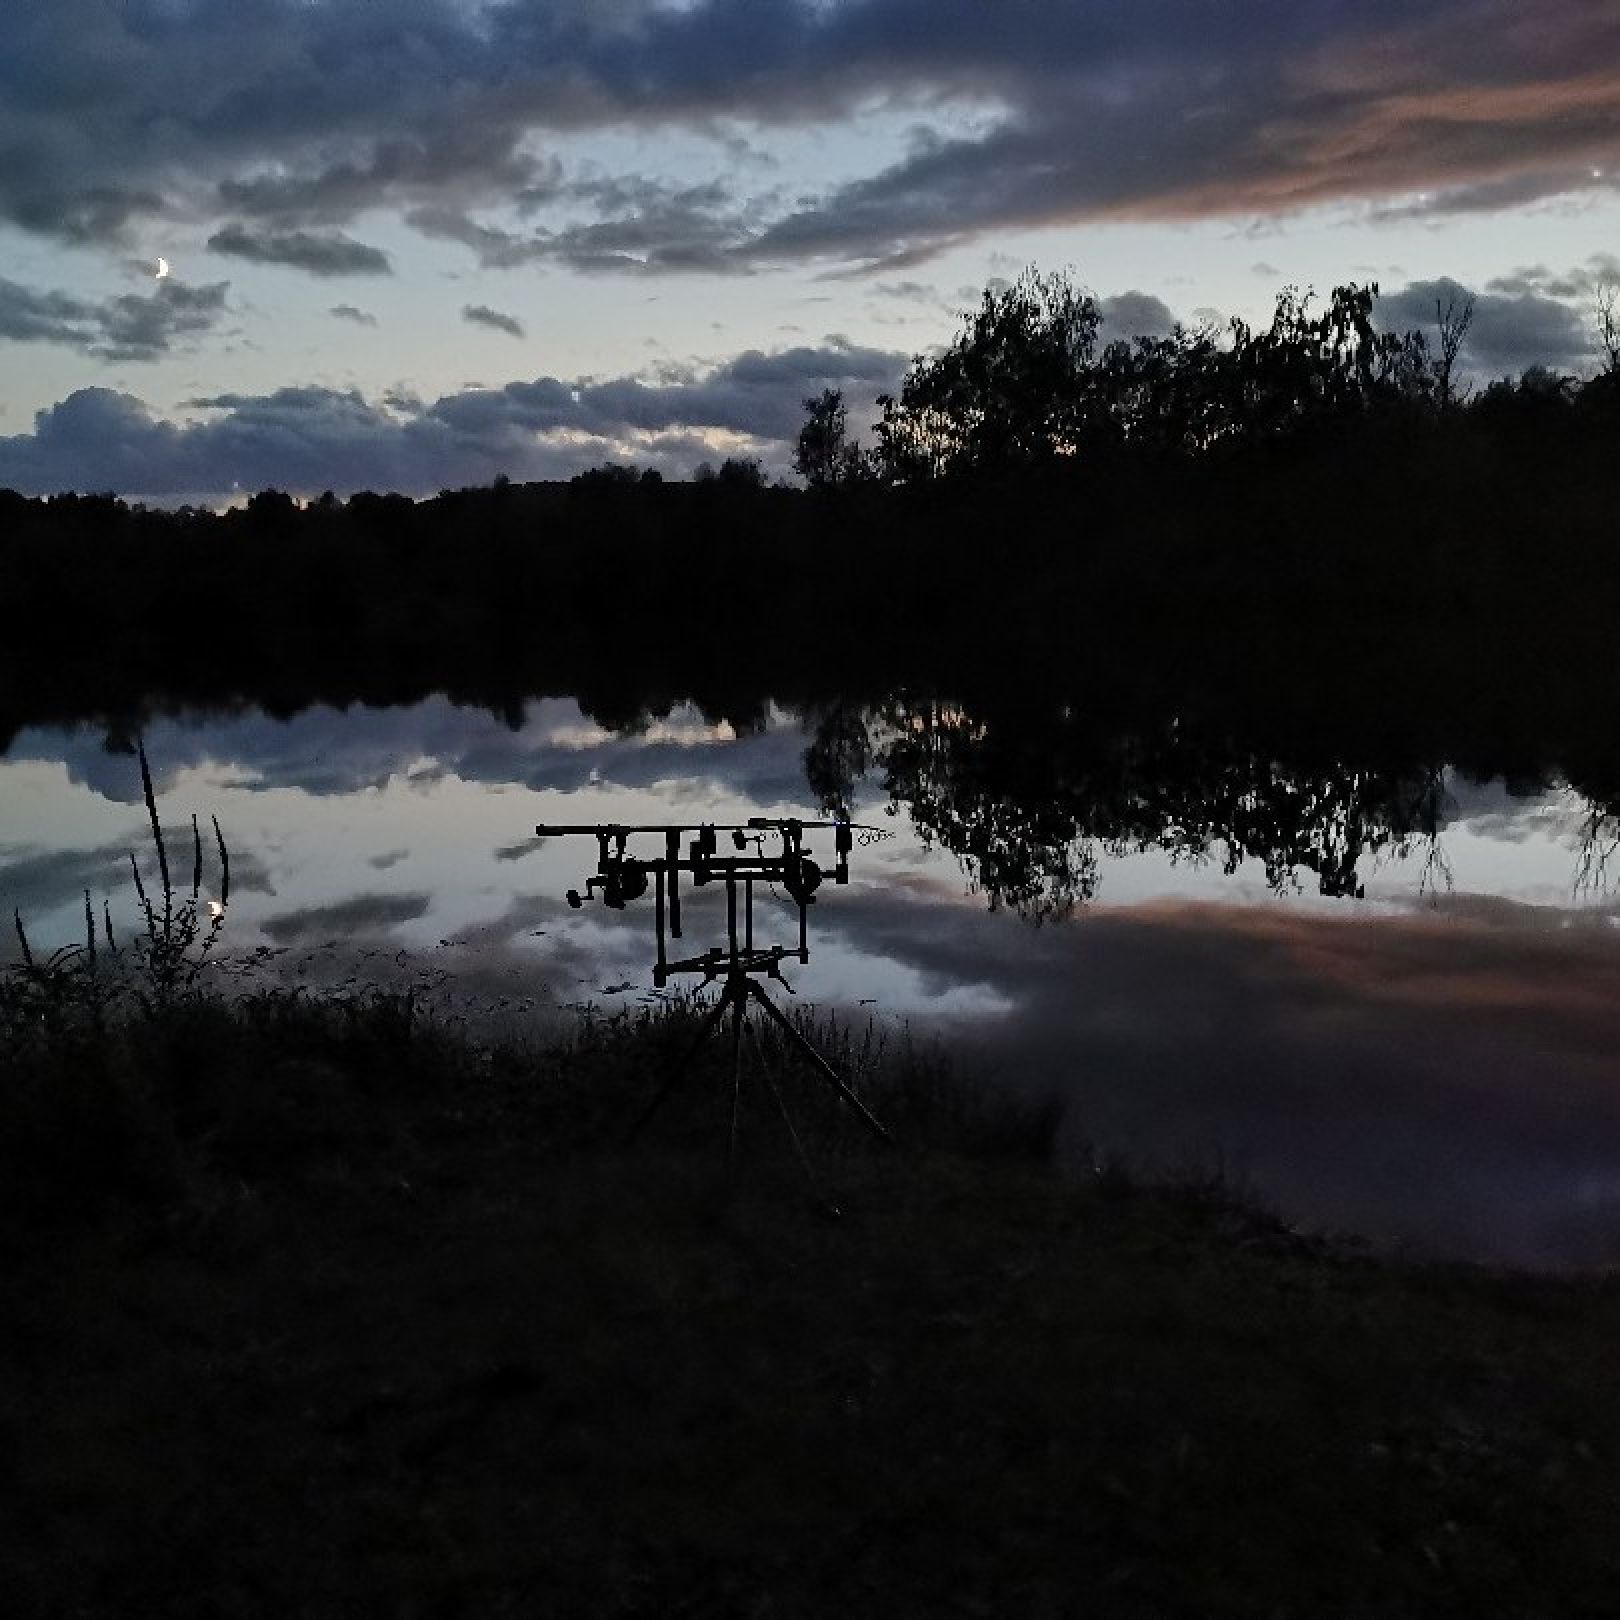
(1606, 311)
(610, 475)
(272, 505)
(741, 472)
(823, 454)
(1538, 399)
(1308, 367)
(1452, 320)
(1164, 393)
(1023, 385)
(1011, 392)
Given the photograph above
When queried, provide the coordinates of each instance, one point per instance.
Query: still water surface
(1389, 1002)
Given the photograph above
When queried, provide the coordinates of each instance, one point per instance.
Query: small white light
(162, 270)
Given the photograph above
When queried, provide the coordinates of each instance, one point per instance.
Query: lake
(1381, 993)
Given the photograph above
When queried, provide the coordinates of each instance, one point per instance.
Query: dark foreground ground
(343, 1319)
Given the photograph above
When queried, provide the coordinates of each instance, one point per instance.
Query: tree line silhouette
(1309, 515)
(1028, 383)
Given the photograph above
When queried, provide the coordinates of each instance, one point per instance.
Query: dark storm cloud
(1175, 112)
(128, 326)
(1167, 109)
(1515, 323)
(321, 253)
(483, 315)
(311, 439)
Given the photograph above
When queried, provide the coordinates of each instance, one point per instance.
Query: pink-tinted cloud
(301, 119)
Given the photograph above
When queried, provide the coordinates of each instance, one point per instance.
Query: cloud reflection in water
(1439, 1074)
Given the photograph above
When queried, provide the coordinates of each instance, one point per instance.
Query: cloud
(1135, 314)
(35, 882)
(1516, 323)
(325, 752)
(324, 253)
(128, 326)
(309, 439)
(305, 117)
(483, 315)
(636, 225)
(516, 852)
(1242, 115)
(348, 312)
(911, 292)
(1578, 286)
(359, 914)
(1433, 1081)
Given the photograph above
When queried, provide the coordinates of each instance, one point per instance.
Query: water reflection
(1030, 799)
(1431, 1063)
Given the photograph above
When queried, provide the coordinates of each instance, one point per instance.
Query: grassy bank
(318, 1309)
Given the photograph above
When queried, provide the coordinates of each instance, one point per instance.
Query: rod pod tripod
(740, 963)
(739, 989)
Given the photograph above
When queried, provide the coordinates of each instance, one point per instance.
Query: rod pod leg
(683, 1063)
(739, 1008)
(820, 1064)
(822, 1204)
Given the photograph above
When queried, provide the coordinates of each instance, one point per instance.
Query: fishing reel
(619, 877)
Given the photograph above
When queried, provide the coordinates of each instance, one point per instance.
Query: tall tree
(1010, 392)
(824, 455)
(1452, 319)
(1606, 310)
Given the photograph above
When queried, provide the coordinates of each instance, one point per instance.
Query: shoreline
(382, 1323)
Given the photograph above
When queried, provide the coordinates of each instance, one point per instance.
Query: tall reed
(178, 932)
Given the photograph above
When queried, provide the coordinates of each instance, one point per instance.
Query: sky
(414, 244)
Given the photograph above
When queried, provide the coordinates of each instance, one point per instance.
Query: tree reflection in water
(1029, 797)
(1598, 844)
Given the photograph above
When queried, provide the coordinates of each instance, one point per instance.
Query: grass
(317, 1308)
